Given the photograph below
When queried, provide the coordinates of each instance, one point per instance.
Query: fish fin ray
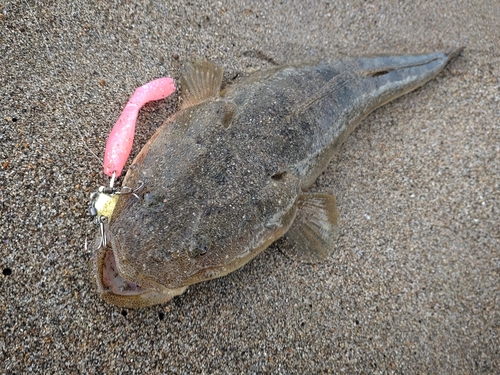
(314, 233)
(201, 80)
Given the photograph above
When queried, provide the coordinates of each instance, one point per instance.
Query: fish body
(228, 174)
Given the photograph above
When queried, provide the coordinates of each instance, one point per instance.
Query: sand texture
(414, 286)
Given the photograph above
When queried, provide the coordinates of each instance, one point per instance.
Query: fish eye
(203, 249)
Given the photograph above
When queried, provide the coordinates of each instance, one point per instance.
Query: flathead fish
(228, 174)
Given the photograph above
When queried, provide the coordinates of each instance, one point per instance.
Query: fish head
(203, 210)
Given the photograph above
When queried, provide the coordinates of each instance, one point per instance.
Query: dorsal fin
(201, 80)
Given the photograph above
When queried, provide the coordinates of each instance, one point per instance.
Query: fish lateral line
(331, 87)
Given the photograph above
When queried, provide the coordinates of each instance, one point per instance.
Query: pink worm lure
(120, 139)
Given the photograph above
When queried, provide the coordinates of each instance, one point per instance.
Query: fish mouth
(113, 281)
(117, 290)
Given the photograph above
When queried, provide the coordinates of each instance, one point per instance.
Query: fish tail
(384, 78)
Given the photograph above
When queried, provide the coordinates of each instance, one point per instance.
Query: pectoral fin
(313, 234)
(201, 80)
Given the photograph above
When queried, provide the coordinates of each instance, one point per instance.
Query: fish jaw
(117, 290)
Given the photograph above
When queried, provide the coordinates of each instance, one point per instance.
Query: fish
(229, 173)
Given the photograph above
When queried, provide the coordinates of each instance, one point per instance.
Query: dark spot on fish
(381, 73)
(7, 271)
(221, 178)
(212, 210)
(161, 316)
(124, 313)
(278, 176)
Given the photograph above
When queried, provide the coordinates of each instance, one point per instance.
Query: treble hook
(108, 192)
(128, 190)
(103, 241)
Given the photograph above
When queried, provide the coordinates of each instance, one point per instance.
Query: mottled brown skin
(222, 177)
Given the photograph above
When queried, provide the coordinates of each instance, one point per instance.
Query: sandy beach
(414, 286)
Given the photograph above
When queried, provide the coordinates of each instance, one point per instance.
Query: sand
(414, 286)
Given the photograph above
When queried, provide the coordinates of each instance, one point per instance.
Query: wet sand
(414, 286)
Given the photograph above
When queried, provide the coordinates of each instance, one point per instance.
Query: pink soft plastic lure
(121, 138)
